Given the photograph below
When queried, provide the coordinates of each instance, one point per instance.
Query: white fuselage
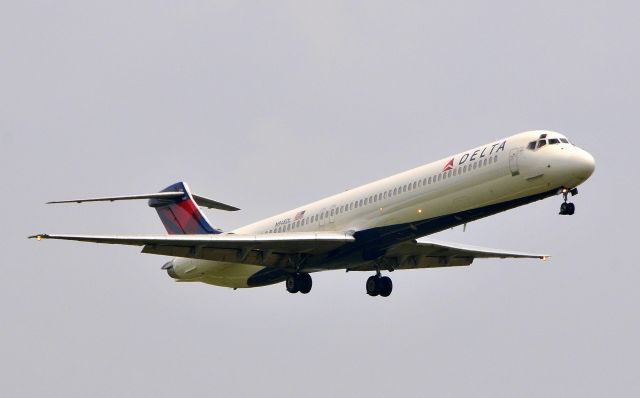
(501, 171)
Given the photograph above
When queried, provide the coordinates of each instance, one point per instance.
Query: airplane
(372, 228)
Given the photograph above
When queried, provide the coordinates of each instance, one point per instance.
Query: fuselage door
(513, 161)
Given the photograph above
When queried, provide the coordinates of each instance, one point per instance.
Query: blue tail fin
(181, 215)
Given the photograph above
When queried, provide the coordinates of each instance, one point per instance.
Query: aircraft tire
(385, 286)
(571, 209)
(305, 282)
(372, 286)
(292, 284)
(563, 208)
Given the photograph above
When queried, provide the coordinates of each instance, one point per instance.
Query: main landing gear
(379, 285)
(300, 282)
(568, 208)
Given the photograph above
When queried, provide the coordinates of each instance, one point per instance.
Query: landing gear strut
(300, 282)
(379, 285)
(568, 208)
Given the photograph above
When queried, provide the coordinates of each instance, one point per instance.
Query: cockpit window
(542, 143)
(532, 145)
(553, 141)
(566, 141)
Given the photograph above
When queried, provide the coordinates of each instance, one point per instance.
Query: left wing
(431, 254)
(262, 249)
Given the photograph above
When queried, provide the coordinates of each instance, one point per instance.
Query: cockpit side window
(554, 141)
(532, 145)
(542, 143)
(566, 141)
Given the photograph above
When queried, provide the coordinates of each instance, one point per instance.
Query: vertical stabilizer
(181, 215)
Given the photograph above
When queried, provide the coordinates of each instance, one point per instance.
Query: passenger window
(444, 175)
(495, 158)
(455, 171)
(475, 165)
(439, 177)
(404, 188)
(429, 180)
(490, 160)
(414, 185)
(322, 216)
(449, 174)
(485, 162)
(360, 203)
(464, 169)
(370, 199)
(326, 214)
(331, 212)
(424, 182)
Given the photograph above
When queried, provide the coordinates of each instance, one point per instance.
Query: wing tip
(39, 236)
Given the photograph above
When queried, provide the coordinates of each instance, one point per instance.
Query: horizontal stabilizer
(200, 200)
(160, 195)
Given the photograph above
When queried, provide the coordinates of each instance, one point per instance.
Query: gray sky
(267, 106)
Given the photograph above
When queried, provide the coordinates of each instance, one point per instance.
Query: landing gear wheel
(305, 283)
(299, 283)
(385, 286)
(372, 286)
(571, 208)
(563, 208)
(292, 284)
(379, 285)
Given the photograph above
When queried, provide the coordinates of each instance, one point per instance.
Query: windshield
(542, 141)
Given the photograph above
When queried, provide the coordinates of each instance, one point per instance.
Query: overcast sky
(270, 105)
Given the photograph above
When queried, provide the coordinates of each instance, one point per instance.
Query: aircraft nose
(583, 164)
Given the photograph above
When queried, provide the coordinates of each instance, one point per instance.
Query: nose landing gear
(568, 208)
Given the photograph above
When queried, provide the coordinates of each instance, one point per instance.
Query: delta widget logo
(449, 165)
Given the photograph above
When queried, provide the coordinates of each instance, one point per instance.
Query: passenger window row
(388, 194)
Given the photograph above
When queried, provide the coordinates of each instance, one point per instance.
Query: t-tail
(177, 207)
